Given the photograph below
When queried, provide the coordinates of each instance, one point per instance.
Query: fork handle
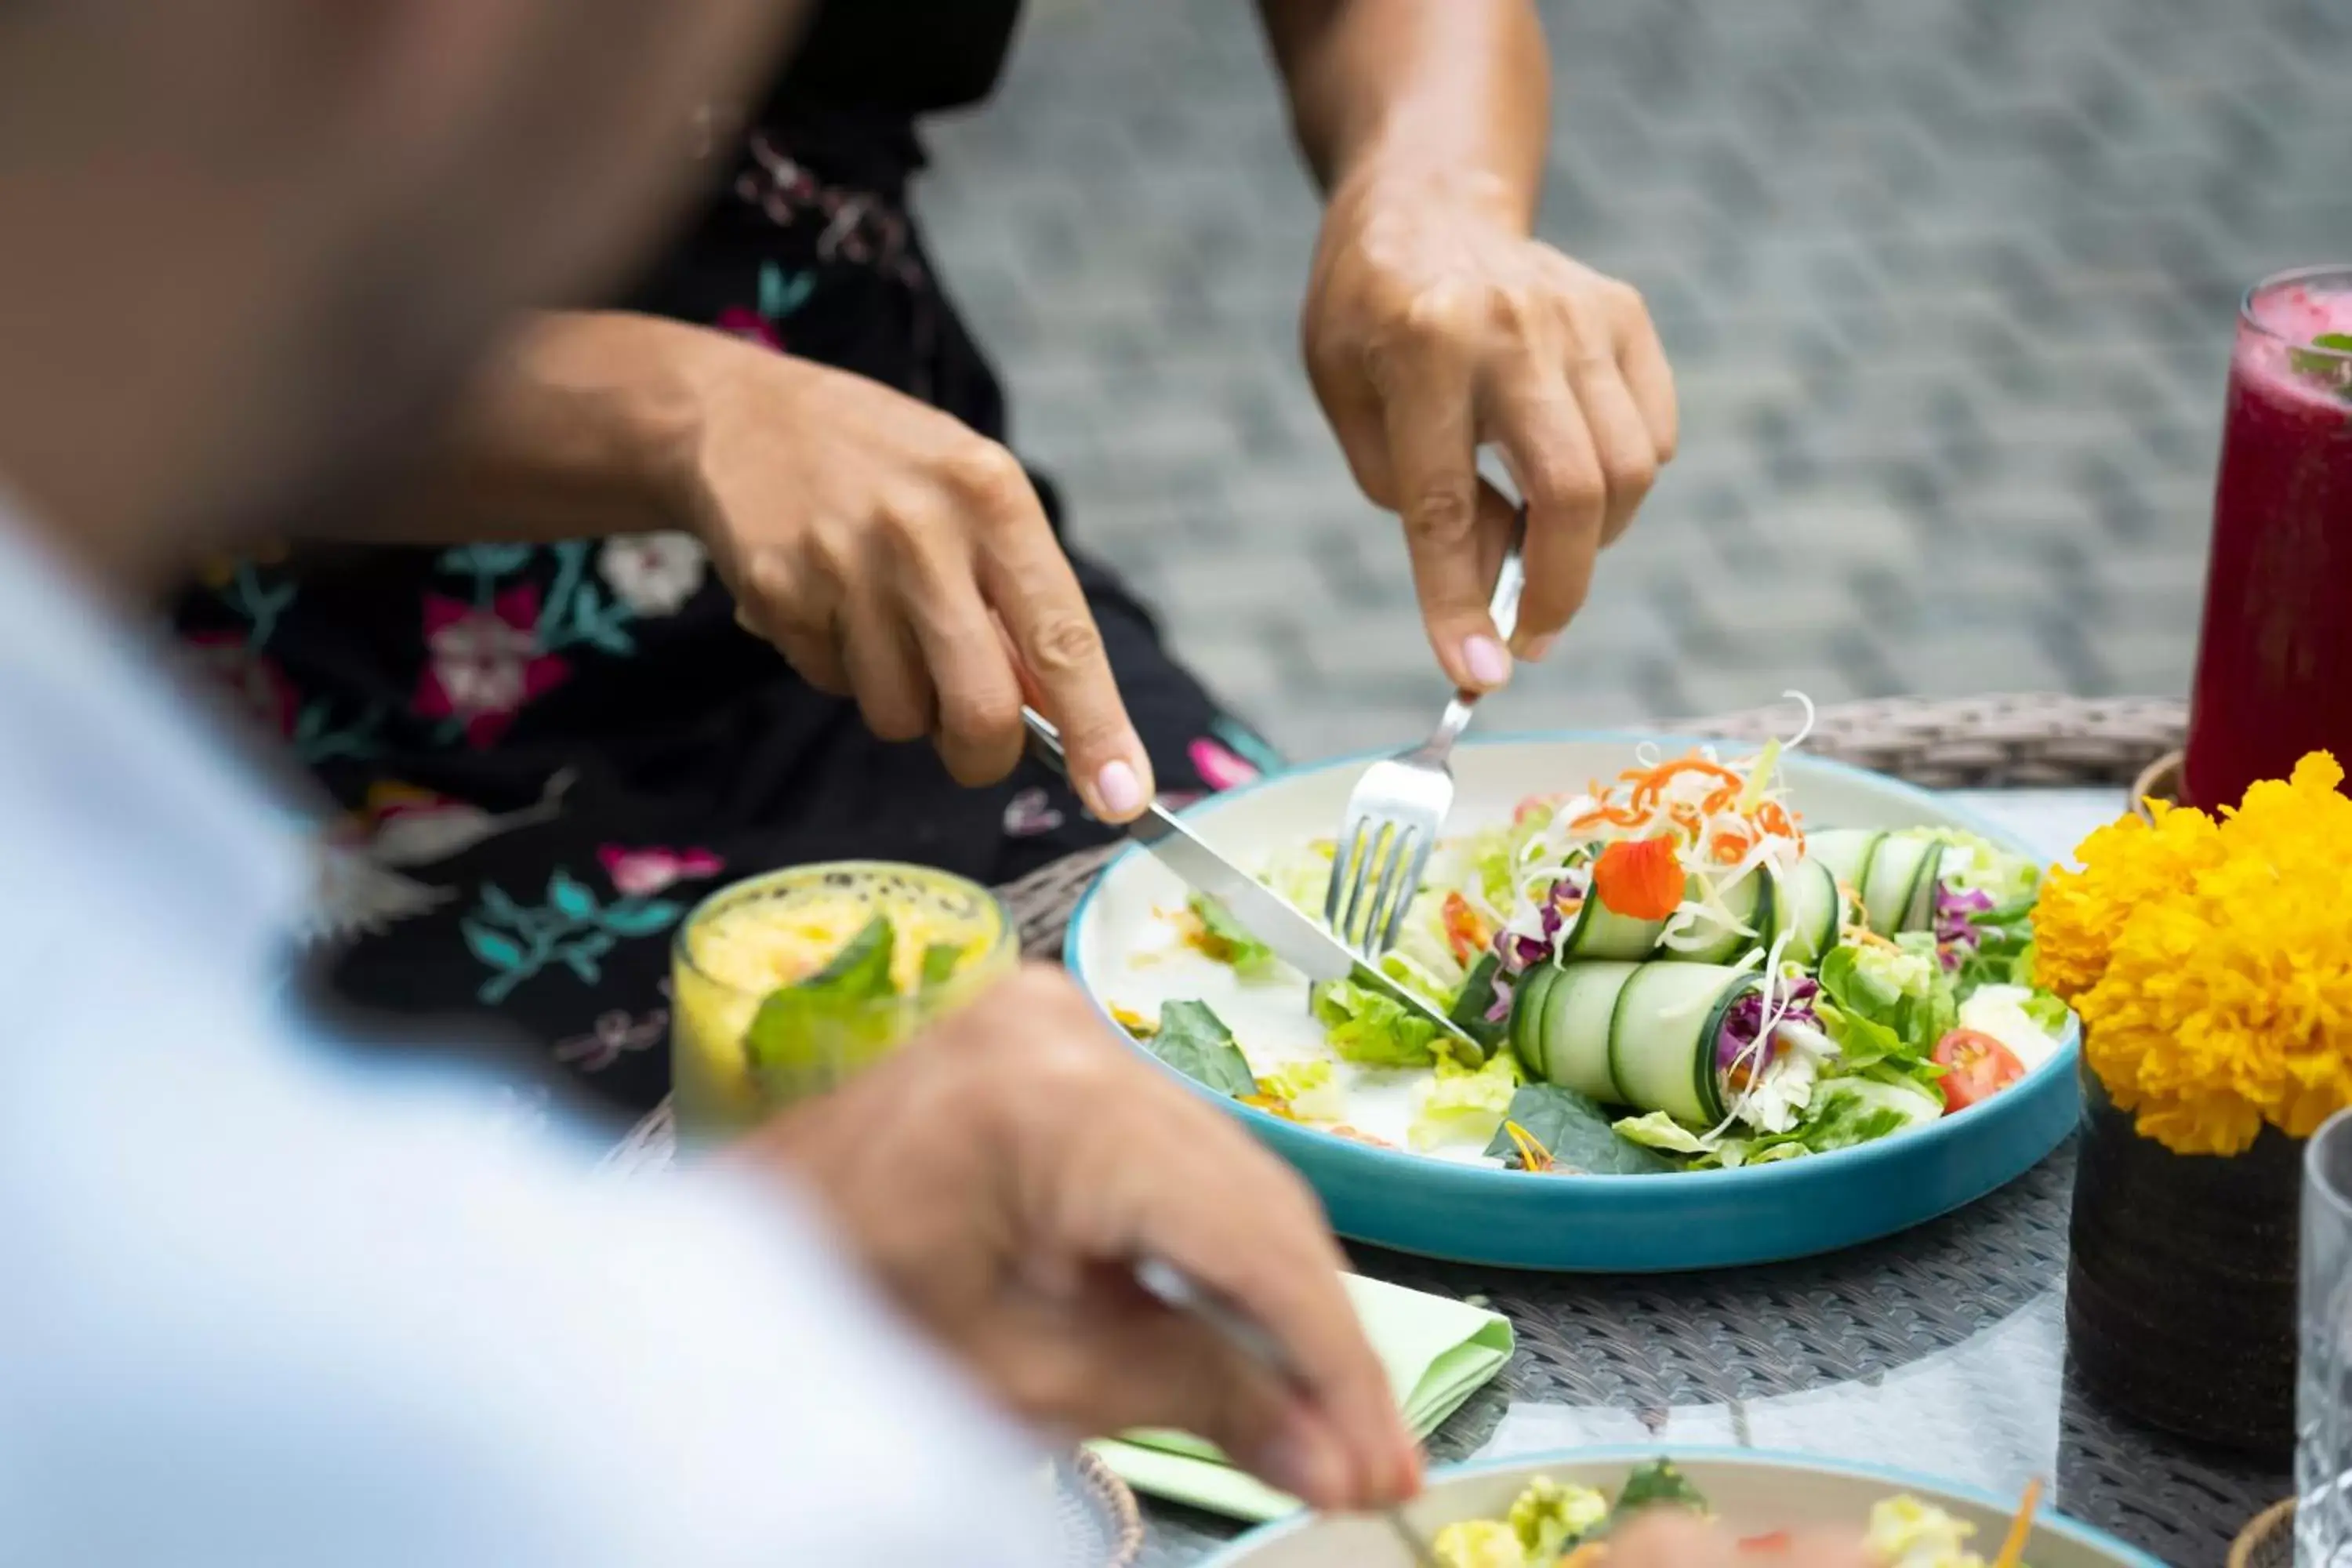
(1504, 610)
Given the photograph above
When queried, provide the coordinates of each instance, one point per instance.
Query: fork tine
(1391, 895)
(1337, 894)
(1348, 873)
(1422, 843)
(1363, 896)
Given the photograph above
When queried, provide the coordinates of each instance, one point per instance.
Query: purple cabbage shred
(1956, 931)
(1746, 1019)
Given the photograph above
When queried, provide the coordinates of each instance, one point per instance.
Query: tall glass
(2275, 660)
(2323, 1393)
(784, 985)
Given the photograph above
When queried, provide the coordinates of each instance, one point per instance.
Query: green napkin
(1437, 1351)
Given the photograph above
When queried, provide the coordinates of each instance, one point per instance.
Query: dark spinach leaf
(1195, 1042)
(1574, 1132)
(1477, 998)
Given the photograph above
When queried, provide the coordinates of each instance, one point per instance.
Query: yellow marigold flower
(2212, 962)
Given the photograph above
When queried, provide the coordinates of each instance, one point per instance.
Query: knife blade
(1297, 939)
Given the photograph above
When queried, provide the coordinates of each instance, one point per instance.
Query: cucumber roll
(1639, 1035)
(1808, 909)
(1895, 873)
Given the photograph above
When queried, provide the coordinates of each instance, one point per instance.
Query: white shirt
(263, 1302)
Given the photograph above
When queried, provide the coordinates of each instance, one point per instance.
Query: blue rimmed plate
(1122, 948)
(1753, 1493)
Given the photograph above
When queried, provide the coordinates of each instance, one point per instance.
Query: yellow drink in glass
(784, 985)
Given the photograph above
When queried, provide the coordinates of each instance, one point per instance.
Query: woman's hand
(1433, 326)
(894, 556)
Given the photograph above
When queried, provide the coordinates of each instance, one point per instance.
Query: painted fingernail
(1488, 664)
(1541, 650)
(1121, 792)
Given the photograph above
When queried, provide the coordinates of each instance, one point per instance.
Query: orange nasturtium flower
(1640, 879)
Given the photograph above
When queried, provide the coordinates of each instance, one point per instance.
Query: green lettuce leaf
(1461, 1105)
(1660, 1132)
(1371, 1028)
(1223, 938)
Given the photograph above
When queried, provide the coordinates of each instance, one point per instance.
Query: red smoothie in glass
(2275, 662)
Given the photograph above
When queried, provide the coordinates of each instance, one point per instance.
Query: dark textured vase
(2180, 1288)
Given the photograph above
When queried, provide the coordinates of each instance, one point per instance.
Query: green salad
(1663, 972)
(1553, 1523)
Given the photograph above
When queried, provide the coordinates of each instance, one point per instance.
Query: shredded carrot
(2013, 1549)
(1270, 1105)
(1648, 786)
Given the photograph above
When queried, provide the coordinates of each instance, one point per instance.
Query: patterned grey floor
(1948, 285)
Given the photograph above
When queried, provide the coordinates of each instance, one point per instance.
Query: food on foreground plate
(1664, 973)
(1552, 1523)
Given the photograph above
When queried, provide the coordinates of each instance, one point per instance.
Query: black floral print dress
(544, 754)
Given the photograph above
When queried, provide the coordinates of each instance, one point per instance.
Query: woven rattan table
(1941, 1351)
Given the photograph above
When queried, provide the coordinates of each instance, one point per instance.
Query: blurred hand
(1433, 326)
(879, 545)
(1001, 1175)
(1670, 1540)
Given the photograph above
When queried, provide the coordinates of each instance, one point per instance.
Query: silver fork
(1398, 806)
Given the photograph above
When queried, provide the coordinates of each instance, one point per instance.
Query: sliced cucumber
(1892, 878)
(1578, 1011)
(1662, 1035)
(1600, 933)
(1807, 908)
(1526, 1017)
(1920, 914)
(1846, 851)
(1750, 902)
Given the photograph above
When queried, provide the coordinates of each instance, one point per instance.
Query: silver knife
(1298, 940)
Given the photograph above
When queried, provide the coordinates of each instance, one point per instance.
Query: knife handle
(1044, 740)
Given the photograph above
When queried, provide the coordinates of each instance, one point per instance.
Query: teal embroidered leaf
(780, 298)
(498, 907)
(646, 918)
(571, 896)
(498, 950)
(485, 560)
(582, 962)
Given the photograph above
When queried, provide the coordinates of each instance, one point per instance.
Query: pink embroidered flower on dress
(637, 872)
(1031, 813)
(1219, 768)
(742, 321)
(252, 679)
(483, 665)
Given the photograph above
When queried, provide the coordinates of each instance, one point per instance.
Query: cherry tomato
(1976, 1067)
